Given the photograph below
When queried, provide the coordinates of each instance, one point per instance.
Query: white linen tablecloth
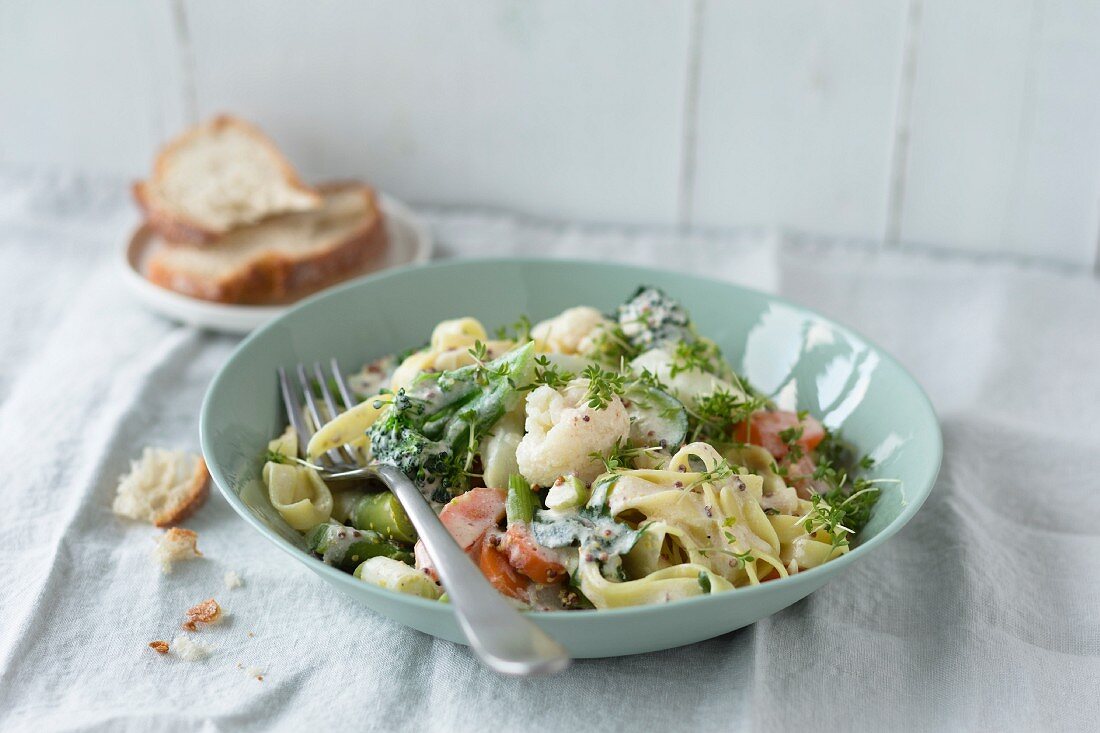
(983, 614)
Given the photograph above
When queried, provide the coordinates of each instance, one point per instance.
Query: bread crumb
(189, 650)
(232, 580)
(163, 487)
(175, 545)
(250, 634)
(160, 647)
(256, 672)
(207, 612)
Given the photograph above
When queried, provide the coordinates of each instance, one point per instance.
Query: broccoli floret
(651, 318)
(397, 439)
(432, 428)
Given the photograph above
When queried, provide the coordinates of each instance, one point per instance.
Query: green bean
(520, 505)
(344, 503)
(346, 548)
(383, 514)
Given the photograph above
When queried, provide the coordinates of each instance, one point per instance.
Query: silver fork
(498, 633)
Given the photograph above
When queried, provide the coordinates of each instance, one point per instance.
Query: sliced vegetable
(383, 513)
(467, 518)
(567, 493)
(528, 557)
(800, 475)
(521, 500)
(778, 430)
(347, 547)
(344, 503)
(397, 576)
(496, 568)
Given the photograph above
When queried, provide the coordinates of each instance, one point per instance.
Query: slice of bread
(216, 177)
(164, 487)
(281, 258)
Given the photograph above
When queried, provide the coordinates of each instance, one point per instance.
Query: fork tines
(308, 418)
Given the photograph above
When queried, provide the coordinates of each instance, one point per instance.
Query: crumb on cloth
(176, 545)
(160, 647)
(207, 612)
(190, 650)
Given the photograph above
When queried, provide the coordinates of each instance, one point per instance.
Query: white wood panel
(1004, 149)
(1054, 210)
(566, 109)
(90, 86)
(796, 114)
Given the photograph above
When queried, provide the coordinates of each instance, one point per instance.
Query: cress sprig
(548, 374)
(603, 386)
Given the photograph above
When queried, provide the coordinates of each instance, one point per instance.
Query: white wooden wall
(960, 124)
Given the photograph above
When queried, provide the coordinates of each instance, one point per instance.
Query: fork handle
(498, 633)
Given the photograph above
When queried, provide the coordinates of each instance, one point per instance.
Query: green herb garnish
(689, 355)
(549, 374)
(274, 456)
(603, 386)
(520, 331)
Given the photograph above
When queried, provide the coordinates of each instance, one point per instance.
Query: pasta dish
(588, 461)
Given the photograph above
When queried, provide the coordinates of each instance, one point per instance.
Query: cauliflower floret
(573, 331)
(562, 430)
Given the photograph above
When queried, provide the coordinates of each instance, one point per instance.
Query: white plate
(409, 242)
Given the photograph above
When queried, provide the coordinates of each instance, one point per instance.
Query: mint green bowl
(782, 348)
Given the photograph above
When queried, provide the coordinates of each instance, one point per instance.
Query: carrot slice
(494, 565)
(764, 429)
(467, 517)
(529, 557)
(800, 475)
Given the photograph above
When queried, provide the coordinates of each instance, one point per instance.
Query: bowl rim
(354, 585)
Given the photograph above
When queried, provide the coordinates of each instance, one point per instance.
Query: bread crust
(176, 227)
(198, 490)
(276, 276)
(207, 612)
